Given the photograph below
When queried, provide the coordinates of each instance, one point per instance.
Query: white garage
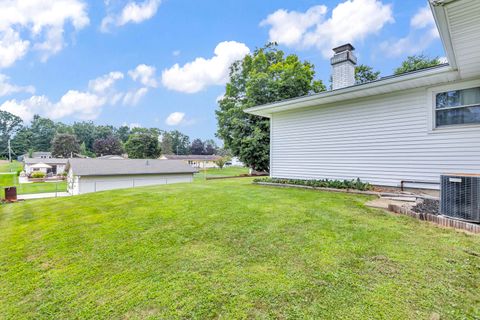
(92, 175)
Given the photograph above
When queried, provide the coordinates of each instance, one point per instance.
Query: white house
(411, 128)
(196, 161)
(92, 175)
(56, 166)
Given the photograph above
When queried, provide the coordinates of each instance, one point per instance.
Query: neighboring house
(57, 165)
(38, 154)
(196, 161)
(235, 161)
(92, 175)
(412, 127)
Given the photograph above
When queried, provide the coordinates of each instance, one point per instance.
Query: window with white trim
(457, 107)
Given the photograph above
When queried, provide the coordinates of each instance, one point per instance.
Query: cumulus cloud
(85, 105)
(197, 75)
(145, 75)
(38, 25)
(133, 97)
(6, 88)
(133, 12)
(423, 32)
(105, 82)
(175, 118)
(350, 21)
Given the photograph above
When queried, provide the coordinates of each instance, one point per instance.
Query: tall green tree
(85, 132)
(267, 75)
(417, 62)
(43, 132)
(108, 146)
(210, 147)
(22, 142)
(9, 125)
(197, 147)
(166, 143)
(143, 146)
(180, 142)
(123, 133)
(364, 74)
(65, 145)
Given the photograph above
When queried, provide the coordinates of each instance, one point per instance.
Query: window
(457, 107)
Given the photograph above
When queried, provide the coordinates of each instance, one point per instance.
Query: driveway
(42, 195)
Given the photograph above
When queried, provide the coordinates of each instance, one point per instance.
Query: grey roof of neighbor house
(112, 167)
(45, 160)
(192, 157)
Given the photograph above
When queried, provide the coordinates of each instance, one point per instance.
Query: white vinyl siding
(381, 140)
(88, 184)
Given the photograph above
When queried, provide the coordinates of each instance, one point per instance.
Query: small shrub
(38, 175)
(19, 171)
(356, 184)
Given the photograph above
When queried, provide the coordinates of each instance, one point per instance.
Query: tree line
(85, 138)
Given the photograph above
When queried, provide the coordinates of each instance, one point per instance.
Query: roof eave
(443, 26)
(351, 92)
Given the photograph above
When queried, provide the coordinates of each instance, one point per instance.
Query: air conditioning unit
(460, 196)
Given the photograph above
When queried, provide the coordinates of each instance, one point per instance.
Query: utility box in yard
(11, 194)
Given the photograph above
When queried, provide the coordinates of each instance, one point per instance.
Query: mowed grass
(11, 180)
(225, 172)
(6, 166)
(227, 249)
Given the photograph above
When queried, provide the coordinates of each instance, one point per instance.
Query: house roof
(112, 167)
(41, 166)
(458, 26)
(430, 76)
(31, 161)
(192, 157)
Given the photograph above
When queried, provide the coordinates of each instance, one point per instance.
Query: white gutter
(443, 26)
(437, 74)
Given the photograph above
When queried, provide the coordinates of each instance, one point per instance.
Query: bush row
(356, 184)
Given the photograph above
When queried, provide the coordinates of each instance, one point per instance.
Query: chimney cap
(342, 48)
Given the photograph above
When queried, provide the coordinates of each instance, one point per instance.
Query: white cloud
(106, 82)
(86, 105)
(133, 12)
(176, 53)
(197, 75)
(350, 21)
(423, 31)
(37, 24)
(145, 75)
(133, 97)
(175, 118)
(6, 88)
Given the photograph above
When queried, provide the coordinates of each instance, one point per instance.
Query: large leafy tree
(22, 142)
(108, 146)
(85, 132)
(210, 147)
(123, 133)
(65, 145)
(267, 75)
(166, 143)
(143, 146)
(180, 142)
(364, 74)
(9, 125)
(417, 62)
(197, 147)
(43, 132)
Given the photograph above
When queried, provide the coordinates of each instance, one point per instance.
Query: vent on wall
(459, 197)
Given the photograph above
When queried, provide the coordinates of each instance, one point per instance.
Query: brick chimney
(343, 66)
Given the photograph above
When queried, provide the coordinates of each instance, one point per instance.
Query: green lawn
(227, 249)
(6, 166)
(11, 180)
(225, 172)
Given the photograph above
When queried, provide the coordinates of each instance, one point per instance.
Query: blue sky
(114, 61)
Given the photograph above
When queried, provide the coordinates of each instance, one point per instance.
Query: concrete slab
(42, 195)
